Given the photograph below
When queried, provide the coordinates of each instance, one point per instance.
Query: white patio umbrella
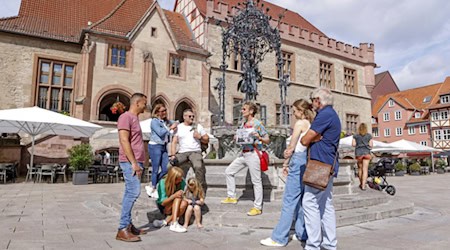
(347, 142)
(406, 146)
(35, 121)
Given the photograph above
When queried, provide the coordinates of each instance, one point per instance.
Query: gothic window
(288, 68)
(55, 84)
(176, 64)
(278, 115)
(118, 56)
(237, 106)
(351, 121)
(350, 84)
(326, 78)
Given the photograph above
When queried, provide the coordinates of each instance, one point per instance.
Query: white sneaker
(294, 237)
(159, 223)
(155, 194)
(270, 243)
(175, 227)
(149, 190)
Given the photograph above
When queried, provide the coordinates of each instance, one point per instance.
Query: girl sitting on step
(195, 197)
(170, 199)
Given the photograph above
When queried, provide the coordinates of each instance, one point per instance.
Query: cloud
(431, 68)
(410, 36)
(167, 4)
(9, 8)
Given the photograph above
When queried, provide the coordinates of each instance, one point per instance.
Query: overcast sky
(411, 37)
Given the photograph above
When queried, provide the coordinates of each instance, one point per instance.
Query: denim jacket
(160, 131)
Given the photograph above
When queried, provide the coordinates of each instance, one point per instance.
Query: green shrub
(414, 167)
(440, 164)
(80, 157)
(399, 167)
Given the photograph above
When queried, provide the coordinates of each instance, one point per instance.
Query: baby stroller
(377, 176)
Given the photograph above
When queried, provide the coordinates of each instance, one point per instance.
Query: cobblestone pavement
(64, 216)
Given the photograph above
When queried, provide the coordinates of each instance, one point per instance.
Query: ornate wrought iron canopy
(250, 36)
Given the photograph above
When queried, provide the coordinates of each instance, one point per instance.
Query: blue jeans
(160, 158)
(292, 202)
(132, 191)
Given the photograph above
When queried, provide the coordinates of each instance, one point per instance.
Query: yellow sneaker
(254, 211)
(229, 200)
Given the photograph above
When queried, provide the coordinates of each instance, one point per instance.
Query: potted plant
(440, 166)
(414, 169)
(80, 158)
(400, 169)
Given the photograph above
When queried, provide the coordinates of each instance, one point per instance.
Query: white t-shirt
(186, 139)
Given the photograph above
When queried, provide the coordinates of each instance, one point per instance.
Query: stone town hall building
(81, 56)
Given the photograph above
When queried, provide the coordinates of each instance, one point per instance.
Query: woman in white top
(293, 167)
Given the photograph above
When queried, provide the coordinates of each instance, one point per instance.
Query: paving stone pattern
(64, 216)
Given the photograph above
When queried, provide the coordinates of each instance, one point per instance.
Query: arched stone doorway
(179, 110)
(105, 113)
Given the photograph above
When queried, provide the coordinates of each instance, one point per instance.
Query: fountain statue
(250, 35)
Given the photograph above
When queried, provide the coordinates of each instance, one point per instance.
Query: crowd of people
(315, 136)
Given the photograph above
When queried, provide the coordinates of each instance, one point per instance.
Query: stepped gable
(291, 18)
(411, 99)
(295, 29)
(65, 19)
(182, 32)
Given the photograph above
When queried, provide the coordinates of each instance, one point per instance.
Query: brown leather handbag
(317, 173)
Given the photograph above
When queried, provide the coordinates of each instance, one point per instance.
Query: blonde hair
(156, 109)
(172, 175)
(251, 106)
(362, 129)
(306, 107)
(195, 187)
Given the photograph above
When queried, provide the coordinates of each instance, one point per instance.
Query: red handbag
(263, 159)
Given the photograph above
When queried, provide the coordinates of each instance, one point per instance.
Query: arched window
(105, 113)
(179, 110)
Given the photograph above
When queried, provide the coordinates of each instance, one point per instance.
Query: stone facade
(18, 65)
(95, 80)
(150, 45)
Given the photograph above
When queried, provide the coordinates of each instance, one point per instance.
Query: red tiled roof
(66, 19)
(123, 18)
(182, 32)
(409, 99)
(444, 90)
(290, 17)
(413, 99)
(57, 19)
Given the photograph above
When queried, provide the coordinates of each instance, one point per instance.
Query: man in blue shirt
(323, 140)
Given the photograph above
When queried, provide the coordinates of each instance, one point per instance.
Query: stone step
(340, 203)
(219, 180)
(268, 220)
(392, 208)
(246, 193)
(269, 193)
(350, 209)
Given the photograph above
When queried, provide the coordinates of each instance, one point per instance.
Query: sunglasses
(163, 110)
(314, 98)
(191, 116)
